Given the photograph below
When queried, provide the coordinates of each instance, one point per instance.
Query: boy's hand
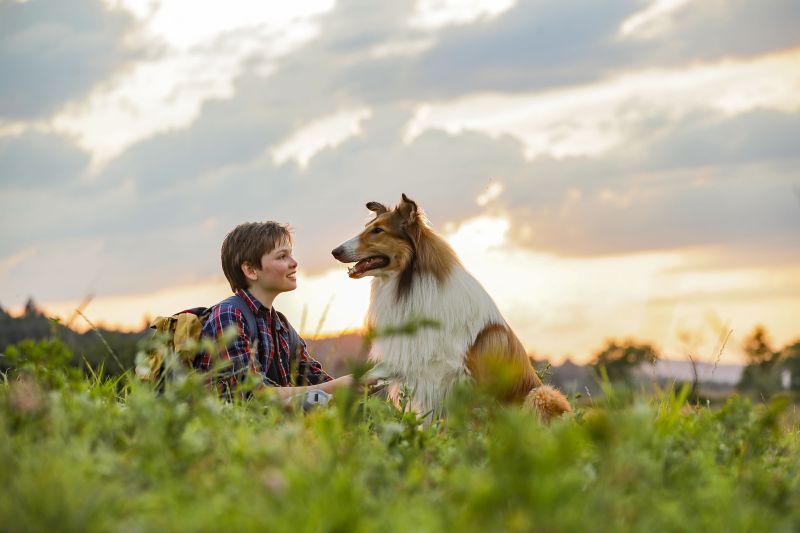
(372, 385)
(375, 385)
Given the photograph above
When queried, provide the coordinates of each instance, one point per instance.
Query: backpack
(180, 334)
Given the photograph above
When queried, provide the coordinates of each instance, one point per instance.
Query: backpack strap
(250, 326)
(294, 338)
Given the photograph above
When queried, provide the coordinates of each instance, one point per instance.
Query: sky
(606, 169)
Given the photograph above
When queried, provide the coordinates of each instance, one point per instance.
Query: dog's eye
(376, 230)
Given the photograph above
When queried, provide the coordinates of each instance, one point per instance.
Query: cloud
(36, 217)
(167, 21)
(744, 207)
(197, 62)
(39, 160)
(228, 137)
(712, 140)
(659, 195)
(433, 14)
(539, 45)
(164, 220)
(330, 131)
(672, 31)
(592, 119)
(52, 53)
(653, 21)
(620, 159)
(50, 266)
(111, 261)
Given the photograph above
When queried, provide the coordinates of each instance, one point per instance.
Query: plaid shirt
(266, 357)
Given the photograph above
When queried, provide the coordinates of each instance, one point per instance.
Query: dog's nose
(337, 252)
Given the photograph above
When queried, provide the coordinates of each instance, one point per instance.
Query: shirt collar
(258, 308)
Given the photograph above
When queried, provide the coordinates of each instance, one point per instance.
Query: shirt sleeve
(240, 352)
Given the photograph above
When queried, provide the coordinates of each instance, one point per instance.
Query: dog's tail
(547, 402)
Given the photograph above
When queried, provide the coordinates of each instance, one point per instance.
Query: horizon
(624, 169)
(703, 366)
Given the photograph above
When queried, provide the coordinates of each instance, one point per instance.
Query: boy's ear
(249, 271)
(407, 209)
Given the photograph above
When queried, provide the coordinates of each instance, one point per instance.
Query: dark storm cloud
(55, 52)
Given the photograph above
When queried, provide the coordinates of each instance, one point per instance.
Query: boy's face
(278, 270)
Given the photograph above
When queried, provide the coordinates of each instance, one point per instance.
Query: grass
(89, 453)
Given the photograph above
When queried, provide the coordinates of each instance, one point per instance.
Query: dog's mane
(430, 255)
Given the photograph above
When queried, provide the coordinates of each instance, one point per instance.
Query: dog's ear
(407, 209)
(376, 208)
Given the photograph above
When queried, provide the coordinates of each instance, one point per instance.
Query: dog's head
(388, 243)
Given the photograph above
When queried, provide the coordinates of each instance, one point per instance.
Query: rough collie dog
(416, 274)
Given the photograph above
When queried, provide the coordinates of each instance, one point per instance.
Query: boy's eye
(376, 230)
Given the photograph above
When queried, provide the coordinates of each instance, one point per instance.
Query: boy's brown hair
(247, 243)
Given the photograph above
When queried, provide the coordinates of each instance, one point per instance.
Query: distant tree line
(768, 370)
(87, 347)
(620, 359)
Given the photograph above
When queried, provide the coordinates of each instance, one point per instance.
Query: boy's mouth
(365, 265)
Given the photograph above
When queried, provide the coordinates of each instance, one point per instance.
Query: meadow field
(84, 452)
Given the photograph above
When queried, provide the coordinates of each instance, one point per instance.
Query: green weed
(90, 452)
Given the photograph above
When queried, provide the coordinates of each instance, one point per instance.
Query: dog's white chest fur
(431, 360)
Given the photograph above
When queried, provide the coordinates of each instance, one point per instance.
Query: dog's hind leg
(498, 363)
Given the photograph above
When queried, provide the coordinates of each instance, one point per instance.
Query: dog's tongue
(364, 265)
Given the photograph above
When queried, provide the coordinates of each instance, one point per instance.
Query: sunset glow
(560, 307)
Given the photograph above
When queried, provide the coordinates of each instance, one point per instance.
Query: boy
(257, 261)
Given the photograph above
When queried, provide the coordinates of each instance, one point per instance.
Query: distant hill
(335, 353)
(723, 374)
(573, 378)
(88, 346)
